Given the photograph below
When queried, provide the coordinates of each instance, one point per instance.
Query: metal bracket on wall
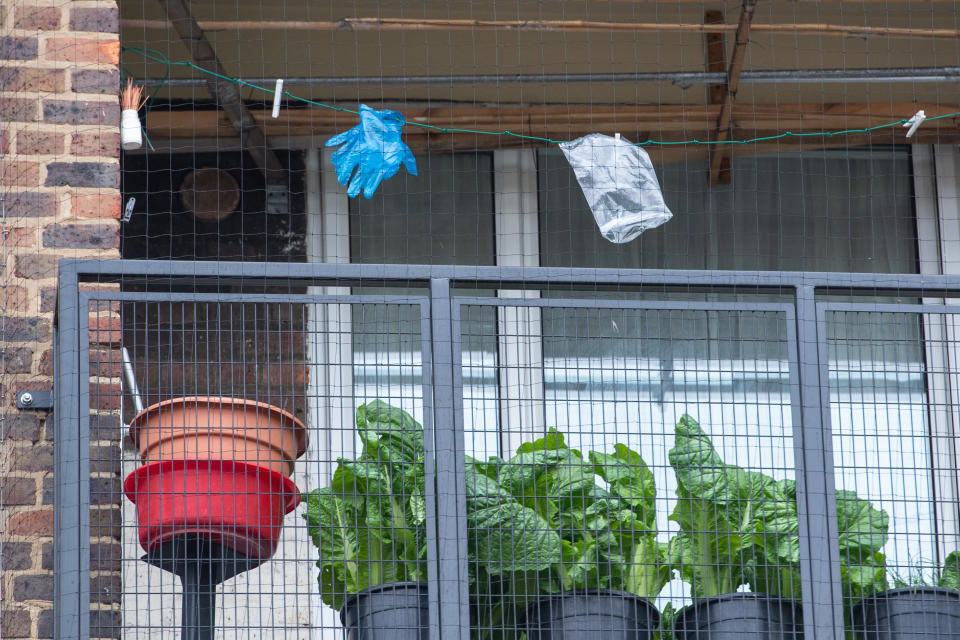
(39, 400)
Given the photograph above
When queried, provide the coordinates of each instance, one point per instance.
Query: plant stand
(201, 566)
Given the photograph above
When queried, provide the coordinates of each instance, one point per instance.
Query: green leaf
(333, 533)
(716, 509)
(550, 442)
(505, 536)
(527, 476)
(391, 433)
(950, 573)
(865, 578)
(775, 569)
(629, 478)
(647, 573)
(863, 528)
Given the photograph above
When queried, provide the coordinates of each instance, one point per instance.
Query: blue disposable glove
(374, 149)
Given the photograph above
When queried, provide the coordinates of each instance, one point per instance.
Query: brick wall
(59, 183)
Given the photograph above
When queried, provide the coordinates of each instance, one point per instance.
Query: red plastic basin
(238, 505)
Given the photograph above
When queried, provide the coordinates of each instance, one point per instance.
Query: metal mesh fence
(557, 461)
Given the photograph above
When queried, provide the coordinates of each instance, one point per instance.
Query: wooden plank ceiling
(362, 38)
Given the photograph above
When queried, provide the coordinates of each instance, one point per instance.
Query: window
(591, 372)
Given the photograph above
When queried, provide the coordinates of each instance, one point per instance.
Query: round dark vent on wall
(210, 194)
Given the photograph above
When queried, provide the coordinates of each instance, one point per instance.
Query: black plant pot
(740, 616)
(589, 615)
(396, 611)
(917, 613)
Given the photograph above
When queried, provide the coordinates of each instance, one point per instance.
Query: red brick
(101, 51)
(32, 523)
(15, 623)
(95, 144)
(103, 364)
(104, 81)
(37, 18)
(103, 624)
(33, 587)
(32, 79)
(81, 236)
(22, 426)
(83, 174)
(106, 522)
(46, 363)
(273, 342)
(36, 457)
(105, 459)
(4, 142)
(45, 624)
(96, 205)
(284, 375)
(35, 267)
(105, 426)
(16, 556)
(104, 397)
(102, 19)
(48, 300)
(105, 330)
(16, 359)
(16, 48)
(20, 236)
(18, 298)
(31, 204)
(18, 329)
(105, 491)
(20, 173)
(40, 142)
(80, 112)
(18, 110)
(18, 492)
(106, 589)
(105, 556)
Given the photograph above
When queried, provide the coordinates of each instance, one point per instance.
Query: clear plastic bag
(620, 185)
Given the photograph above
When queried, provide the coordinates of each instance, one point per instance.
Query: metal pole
(816, 495)
(451, 492)
(131, 380)
(682, 78)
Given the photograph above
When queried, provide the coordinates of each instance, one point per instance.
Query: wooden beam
(224, 92)
(730, 93)
(716, 54)
(566, 26)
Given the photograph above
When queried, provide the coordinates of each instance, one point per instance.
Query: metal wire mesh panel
(272, 460)
(641, 477)
(892, 415)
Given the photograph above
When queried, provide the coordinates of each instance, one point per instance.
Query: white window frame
(936, 170)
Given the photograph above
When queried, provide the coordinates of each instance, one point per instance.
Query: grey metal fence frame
(449, 612)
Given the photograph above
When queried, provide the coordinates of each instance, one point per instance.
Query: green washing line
(156, 56)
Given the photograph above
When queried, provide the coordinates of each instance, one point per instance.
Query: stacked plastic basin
(217, 468)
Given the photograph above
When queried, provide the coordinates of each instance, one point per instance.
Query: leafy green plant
(608, 534)
(369, 525)
(740, 527)
(590, 537)
(717, 509)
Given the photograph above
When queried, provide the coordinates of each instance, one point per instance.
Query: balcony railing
(506, 436)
